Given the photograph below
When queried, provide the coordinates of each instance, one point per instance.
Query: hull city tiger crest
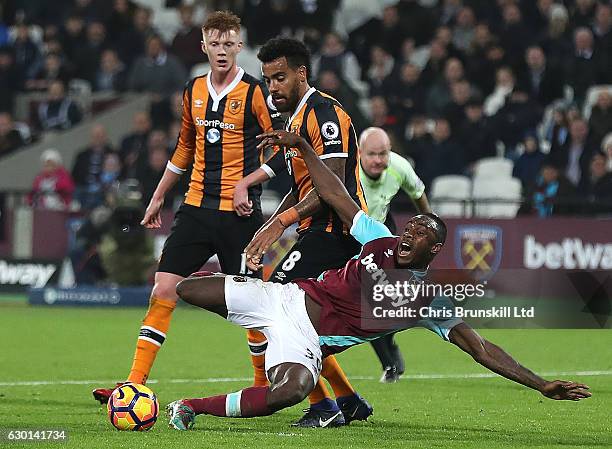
(235, 106)
(478, 248)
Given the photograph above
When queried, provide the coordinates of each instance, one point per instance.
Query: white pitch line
(432, 376)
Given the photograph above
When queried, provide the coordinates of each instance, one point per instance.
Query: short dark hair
(296, 53)
(440, 229)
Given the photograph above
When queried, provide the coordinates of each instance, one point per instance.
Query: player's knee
(164, 289)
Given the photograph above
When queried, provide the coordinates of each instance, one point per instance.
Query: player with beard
(323, 241)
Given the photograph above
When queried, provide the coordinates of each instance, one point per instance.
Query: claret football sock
(336, 377)
(245, 403)
(150, 338)
(257, 348)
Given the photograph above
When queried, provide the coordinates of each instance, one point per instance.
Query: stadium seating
(497, 167)
(450, 195)
(487, 189)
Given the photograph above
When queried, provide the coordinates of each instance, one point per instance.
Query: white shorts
(279, 312)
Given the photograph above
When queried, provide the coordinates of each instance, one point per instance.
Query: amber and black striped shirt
(322, 121)
(218, 135)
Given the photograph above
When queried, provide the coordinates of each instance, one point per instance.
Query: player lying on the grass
(307, 318)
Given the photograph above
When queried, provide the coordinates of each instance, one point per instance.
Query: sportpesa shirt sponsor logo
(214, 123)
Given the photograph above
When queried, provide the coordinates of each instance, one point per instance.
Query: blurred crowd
(451, 81)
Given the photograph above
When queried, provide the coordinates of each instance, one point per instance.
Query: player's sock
(320, 398)
(150, 338)
(257, 347)
(336, 377)
(245, 403)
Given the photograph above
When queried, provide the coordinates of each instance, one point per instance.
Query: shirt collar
(301, 104)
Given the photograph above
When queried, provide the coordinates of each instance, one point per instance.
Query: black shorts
(313, 253)
(197, 234)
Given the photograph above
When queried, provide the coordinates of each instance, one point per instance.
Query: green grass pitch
(71, 348)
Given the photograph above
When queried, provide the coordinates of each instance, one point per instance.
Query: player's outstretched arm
(327, 185)
(497, 360)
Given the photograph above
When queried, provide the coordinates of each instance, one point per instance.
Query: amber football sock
(319, 393)
(257, 348)
(336, 377)
(150, 338)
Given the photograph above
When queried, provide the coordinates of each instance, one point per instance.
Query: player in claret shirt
(308, 318)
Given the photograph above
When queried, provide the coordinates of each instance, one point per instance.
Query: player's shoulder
(251, 80)
(320, 101)
(196, 80)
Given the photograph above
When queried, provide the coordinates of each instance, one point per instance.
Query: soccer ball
(133, 407)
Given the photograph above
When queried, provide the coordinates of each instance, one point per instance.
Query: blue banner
(90, 296)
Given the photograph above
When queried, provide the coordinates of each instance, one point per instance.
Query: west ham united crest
(478, 248)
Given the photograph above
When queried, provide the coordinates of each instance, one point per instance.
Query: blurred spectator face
(22, 33)
(441, 130)
(374, 148)
(584, 5)
(51, 160)
(332, 45)
(606, 146)
(141, 123)
(98, 137)
(6, 123)
(531, 144)
(465, 18)
(505, 77)
(155, 47)
(378, 55)
(53, 63)
(437, 51)
(604, 100)
(50, 32)
(176, 103)
(74, 25)
(109, 61)
(56, 91)
(328, 81)
(96, 33)
(579, 130)
(390, 17)
(559, 19)
(512, 14)
(6, 59)
(544, 6)
(408, 47)
(550, 173)
(444, 35)
(378, 109)
(111, 164)
(598, 166)
(603, 16)
(495, 53)
(222, 49)
(535, 58)
(410, 73)
(482, 35)
(583, 39)
(186, 13)
(460, 92)
(142, 19)
(158, 158)
(157, 140)
(473, 112)
(453, 70)
(121, 6)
